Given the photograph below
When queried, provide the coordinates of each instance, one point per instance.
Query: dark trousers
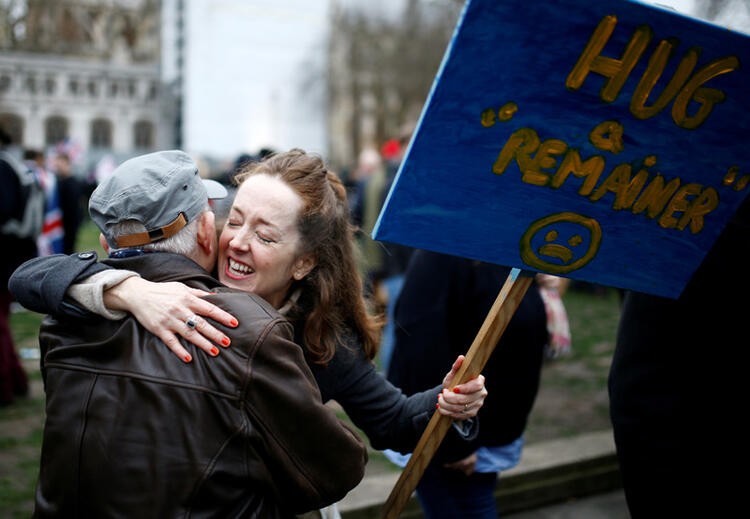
(449, 494)
(13, 380)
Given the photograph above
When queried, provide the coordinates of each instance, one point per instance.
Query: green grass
(17, 492)
(21, 424)
(573, 393)
(21, 430)
(593, 322)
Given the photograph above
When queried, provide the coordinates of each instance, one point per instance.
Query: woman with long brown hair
(288, 237)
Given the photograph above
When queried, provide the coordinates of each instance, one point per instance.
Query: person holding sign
(677, 389)
(289, 239)
(441, 308)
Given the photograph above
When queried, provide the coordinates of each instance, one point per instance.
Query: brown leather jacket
(131, 431)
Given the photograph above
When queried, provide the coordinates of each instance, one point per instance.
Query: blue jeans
(449, 494)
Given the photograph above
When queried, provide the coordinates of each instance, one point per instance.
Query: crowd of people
(43, 204)
(212, 298)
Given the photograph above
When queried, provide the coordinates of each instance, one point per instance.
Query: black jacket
(15, 250)
(131, 431)
(442, 305)
(678, 387)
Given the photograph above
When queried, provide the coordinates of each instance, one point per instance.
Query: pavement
(609, 505)
(568, 478)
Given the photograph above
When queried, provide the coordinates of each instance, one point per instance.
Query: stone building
(86, 71)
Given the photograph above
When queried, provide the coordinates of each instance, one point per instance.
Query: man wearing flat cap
(129, 432)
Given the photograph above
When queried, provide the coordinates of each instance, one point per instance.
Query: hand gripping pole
(494, 325)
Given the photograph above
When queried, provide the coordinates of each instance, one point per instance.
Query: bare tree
(12, 23)
(382, 68)
(731, 13)
(92, 29)
(710, 9)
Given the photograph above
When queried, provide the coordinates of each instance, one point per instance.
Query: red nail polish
(233, 323)
(225, 341)
(437, 406)
(187, 358)
(456, 390)
(214, 351)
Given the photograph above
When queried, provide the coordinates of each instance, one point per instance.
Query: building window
(50, 85)
(101, 133)
(131, 88)
(5, 83)
(143, 135)
(13, 125)
(73, 86)
(31, 84)
(113, 88)
(153, 91)
(55, 130)
(93, 88)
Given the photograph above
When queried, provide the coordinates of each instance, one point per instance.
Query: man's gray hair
(184, 242)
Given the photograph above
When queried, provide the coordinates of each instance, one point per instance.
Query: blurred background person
(369, 178)
(552, 288)
(50, 240)
(395, 257)
(677, 389)
(71, 192)
(383, 264)
(17, 247)
(443, 304)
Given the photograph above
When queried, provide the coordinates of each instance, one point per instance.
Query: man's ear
(103, 243)
(207, 232)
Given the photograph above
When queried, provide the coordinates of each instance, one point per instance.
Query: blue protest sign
(602, 141)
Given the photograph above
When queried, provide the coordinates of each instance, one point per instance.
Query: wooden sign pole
(494, 325)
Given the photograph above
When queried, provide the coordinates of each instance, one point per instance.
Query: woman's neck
(290, 301)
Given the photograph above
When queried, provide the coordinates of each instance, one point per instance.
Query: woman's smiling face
(260, 243)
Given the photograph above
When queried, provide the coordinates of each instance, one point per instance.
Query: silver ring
(191, 322)
(466, 408)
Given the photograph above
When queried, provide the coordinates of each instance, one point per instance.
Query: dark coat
(443, 303)
(389, 419)
(15, 250)
(72, 193)
(131, 431)
(678, 388)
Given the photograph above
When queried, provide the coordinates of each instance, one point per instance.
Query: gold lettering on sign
(686, 85)
(552, 162)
